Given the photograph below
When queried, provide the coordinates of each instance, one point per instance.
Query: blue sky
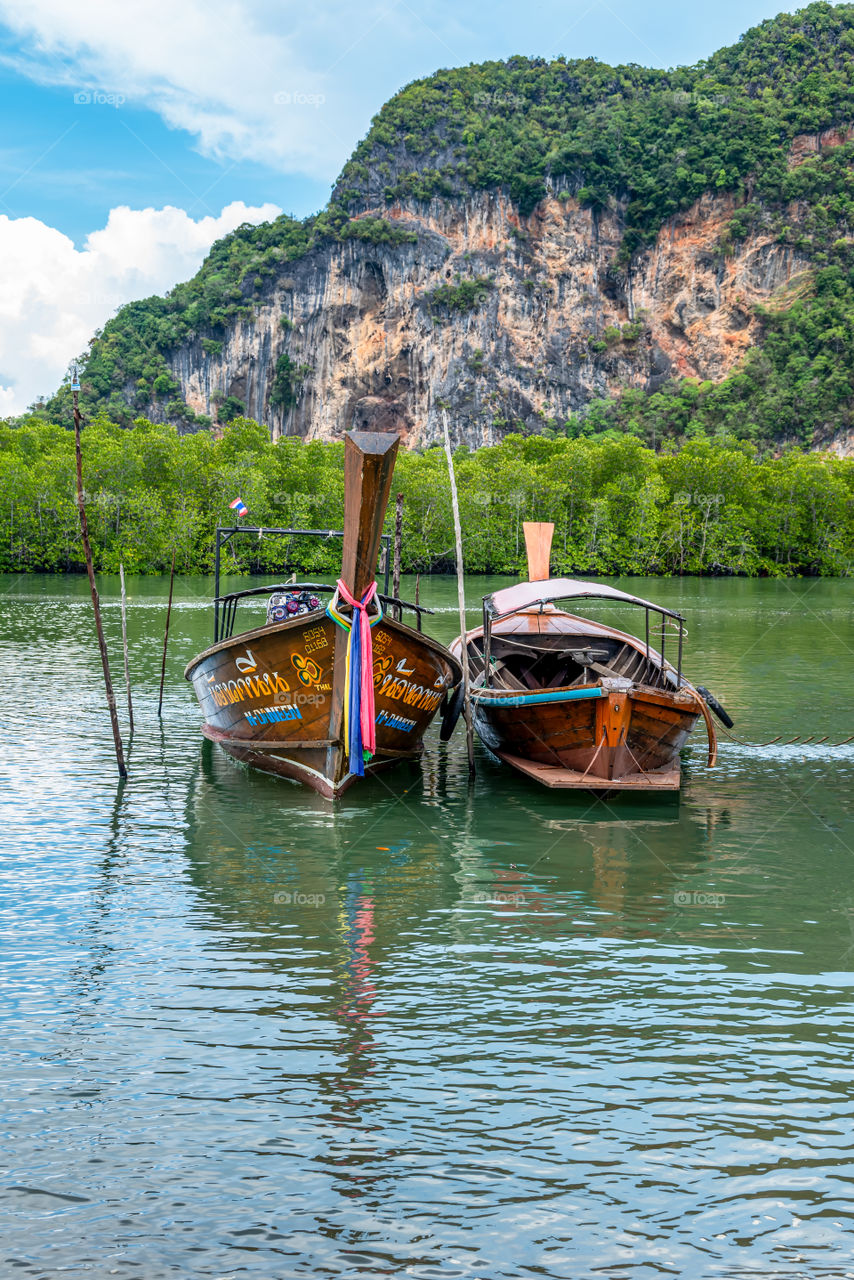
(68, 163)
(187, 119)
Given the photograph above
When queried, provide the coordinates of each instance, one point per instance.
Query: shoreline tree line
(617, 506)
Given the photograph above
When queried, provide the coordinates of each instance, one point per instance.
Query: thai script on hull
(265, 686)
(414, 695)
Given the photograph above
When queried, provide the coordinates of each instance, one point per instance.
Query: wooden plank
(655, 698)
(368, 468)
(570, 779)
(538, 545)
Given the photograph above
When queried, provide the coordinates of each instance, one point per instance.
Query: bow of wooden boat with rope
(333, 686)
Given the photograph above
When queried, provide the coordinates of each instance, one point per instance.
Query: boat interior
(525, 662)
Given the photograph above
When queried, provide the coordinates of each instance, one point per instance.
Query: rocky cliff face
(555, 321)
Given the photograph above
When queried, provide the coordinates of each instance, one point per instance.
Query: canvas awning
(526, 595)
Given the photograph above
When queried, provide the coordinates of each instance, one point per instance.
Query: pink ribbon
(367, 705)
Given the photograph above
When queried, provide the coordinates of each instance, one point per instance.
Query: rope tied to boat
(360, 732)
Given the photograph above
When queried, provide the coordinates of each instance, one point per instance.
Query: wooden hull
(270, 697)
(599, 739)
(622, 731)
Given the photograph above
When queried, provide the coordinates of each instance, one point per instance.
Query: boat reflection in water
(351, 892)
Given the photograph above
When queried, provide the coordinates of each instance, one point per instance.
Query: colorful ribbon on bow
(360, 732)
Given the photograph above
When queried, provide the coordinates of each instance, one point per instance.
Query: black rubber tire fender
(451, 712)
(712, 702)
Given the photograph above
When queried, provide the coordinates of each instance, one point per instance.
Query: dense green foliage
(617, 506)
(643, 142)
(464, 295)
(287, 381)
(377, 231)
(654, 139)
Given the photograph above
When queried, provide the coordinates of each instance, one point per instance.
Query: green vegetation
(655, 140)
(287, 381)
(229, 408)
(617, 506)
(465, 295)
(643, 142)
(377, 231)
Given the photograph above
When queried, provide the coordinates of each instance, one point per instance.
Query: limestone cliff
(520, 240)
(558, 324)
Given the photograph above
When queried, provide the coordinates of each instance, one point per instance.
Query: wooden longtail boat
(574, 703)
(298, 697)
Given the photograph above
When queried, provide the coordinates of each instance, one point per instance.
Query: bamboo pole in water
(398, 541)
(166, 635)
(96, 604)
(461, 596)
(125, 645)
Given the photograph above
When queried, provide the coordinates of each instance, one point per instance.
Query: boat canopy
(528, 594)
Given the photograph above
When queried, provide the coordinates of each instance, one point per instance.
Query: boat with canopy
(575, 703)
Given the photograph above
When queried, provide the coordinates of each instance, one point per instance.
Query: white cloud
(277, 83)
(54, 296)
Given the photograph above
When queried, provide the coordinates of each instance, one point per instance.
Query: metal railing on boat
(227, 604)
(225, 533)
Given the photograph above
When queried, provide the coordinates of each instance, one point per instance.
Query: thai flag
(239, 506)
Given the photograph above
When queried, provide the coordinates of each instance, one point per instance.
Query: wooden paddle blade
(368, 467)
(538, 544)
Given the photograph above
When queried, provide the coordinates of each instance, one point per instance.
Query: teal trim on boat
(531, 699)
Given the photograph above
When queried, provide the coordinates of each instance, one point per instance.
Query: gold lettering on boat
(414, 695)
(381, 640)
(248, 687)
(315, 638)
(381, 667)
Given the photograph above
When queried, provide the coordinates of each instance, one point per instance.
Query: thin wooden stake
(398, 541)
(417, 587)
(461, 596)
(96, 604)
(166, 635)
(125, 645)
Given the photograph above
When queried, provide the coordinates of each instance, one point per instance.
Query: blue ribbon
(357, 759)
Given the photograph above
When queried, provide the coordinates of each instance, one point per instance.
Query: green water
(428, 1031)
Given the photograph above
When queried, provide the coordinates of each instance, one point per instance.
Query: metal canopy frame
(489, 617)
(230, 601)
(224, 534)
